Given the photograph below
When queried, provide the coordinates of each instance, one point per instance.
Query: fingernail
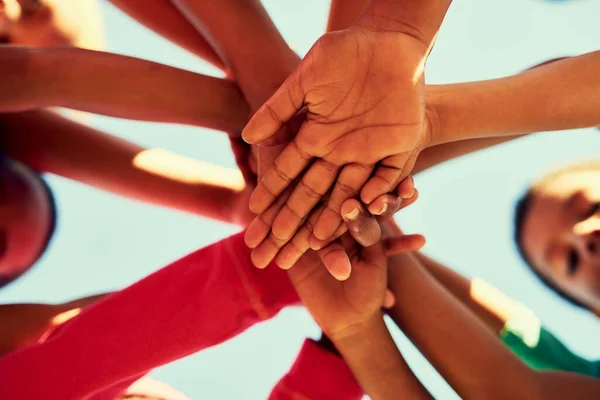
(352, 215)
(383, 209)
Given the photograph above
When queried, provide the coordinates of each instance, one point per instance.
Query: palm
(365, 126)
(363, 100)
(339, 306)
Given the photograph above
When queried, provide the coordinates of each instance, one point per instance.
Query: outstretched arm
(430, 316)
(555, 96)
(163, 17)
(51, 143)
(350, 314)
(117, 86)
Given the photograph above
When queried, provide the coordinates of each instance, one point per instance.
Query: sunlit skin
(25, 218)
(561, 234)
(41, 23)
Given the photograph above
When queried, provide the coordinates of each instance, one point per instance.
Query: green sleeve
(527, 338)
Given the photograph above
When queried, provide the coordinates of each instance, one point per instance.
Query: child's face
(25, 219)
(561, 234)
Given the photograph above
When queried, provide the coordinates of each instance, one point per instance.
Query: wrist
(355, 332)
(418, 19)
(434, 106)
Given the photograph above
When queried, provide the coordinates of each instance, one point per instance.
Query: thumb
(278, 110)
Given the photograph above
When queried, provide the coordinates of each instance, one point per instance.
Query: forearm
(51, 143)
(127, 87)
(259, 59)
(556, 96)
(491, 306)
(162, 17)
(436, 155)
(344, 13)
(469, 357)
(377, 364)
(555, 385)
(247, 40)
(418, 18)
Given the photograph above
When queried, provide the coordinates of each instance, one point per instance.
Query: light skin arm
(486, 118)
(542, 99)
(162, 17)
(447, 333)
(51, 143)
(117, 86)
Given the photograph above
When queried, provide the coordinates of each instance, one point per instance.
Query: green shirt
(538, 348)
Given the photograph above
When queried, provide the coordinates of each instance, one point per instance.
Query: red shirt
(194, 303)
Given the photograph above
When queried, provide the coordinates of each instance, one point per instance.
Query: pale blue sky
(465, 208)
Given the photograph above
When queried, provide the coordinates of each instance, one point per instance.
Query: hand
(342, 307)
(364, 94)
(364, 229)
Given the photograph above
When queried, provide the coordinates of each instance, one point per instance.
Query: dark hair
(53, 216)
(521, 210)
(6, 279)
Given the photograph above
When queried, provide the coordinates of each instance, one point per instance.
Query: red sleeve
(317, 374)
(196, 302)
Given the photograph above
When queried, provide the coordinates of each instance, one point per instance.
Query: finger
(389, 204)
(282, 106)
(385, 205)
(336, 260)
(259, 228)
(389, 300)
(300, 243)
(293, 250)
(403, 244)
(310, 190)
(286, 167)
(318, 244)
(351, 180)
(373, 256)
(362, 226)
(406, 188)
(408, 202)
(386, 177)
(265, 252)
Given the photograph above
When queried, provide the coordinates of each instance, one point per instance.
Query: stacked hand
(341, 308)
(364, 128)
